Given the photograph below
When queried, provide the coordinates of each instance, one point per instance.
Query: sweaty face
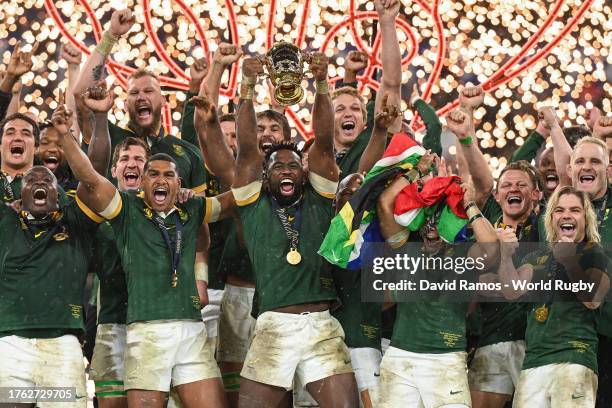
(269, 131)
(161, 184)
(516, 194)
(228, 128)
(348, 120)
(569, 218)
(588, 169)
(347, 187)
(548, 172)
(285, 176)
(39, 191)
(144, 103)
(49, 151)
(130, 167)
(18, 145)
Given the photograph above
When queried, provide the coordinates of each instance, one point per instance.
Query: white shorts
(309, 345)
(496, 367)
(366, 365)
(212, 311)
(556, 385)
(420, 380)
(236, 325)
(167, 351)
(107, 363)
(55, 362)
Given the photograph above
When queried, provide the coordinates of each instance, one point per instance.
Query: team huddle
(210, 288)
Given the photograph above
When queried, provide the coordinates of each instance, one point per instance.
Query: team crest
(147, 212)
(178, 150)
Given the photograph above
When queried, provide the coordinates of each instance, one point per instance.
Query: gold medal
(60, 236)
(541, 314)
(174, 280)
(294, 257)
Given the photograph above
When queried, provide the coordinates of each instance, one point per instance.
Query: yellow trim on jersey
(248, 194)
(323, 186)
(113, 208)
(208, 169)
(88, 212)
(200, 189)
(213, 209)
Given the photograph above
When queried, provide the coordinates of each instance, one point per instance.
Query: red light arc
(511, 69)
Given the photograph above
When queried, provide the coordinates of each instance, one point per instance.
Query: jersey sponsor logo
(574, 396)
(455, 392)
(178, 150)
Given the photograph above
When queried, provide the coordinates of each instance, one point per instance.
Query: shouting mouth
(515, 201)
(144, 113)
(551, 181)
(348, 127)
(587, 179)
(160, 194)
(568, 229)
(17, 151)
(51, 162)
(131, 179)
(40, 196)
(287, 187)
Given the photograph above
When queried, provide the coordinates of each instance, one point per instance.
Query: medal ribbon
(292, 230)
(602, 211)
(175, 252)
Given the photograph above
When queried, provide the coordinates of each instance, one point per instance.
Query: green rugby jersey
(278, 283)
(569, 333)
(106, 264)
(505, 321)
(146, 260)
(432, 327)
(43, 269)
(361, 321)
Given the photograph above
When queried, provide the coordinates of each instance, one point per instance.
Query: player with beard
(144, 104)
(584, 168)
(284, 224)
(560, 367)
(425, 366)
(496, 365)
(166, 339)
(44, 251)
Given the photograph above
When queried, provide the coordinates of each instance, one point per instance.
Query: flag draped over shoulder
(356, 223)
(414, 207)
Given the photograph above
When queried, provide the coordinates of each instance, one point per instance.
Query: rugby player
(283, 225)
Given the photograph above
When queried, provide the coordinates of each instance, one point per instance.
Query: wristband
(411, 176)
(322, 87)
(472, 211)
(470, 205)
(466, 141)
(247, 91)
(105, 46)
(398, 239)
(475, 217)
(201, 271)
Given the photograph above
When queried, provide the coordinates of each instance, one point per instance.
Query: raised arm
(561, 147)
(462, 125)
(15, 99)
(249, 160)
(391, 58)
(72, 56)
(20, 63)
(433, 126)
(92, 71)
(224, 57)
(99, 100)
(507, 272)
(217, 154)
(375, 149)
(321, 159)
(197, 73)
(94, 190)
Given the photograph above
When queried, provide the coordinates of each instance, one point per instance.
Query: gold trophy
(285, 65)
